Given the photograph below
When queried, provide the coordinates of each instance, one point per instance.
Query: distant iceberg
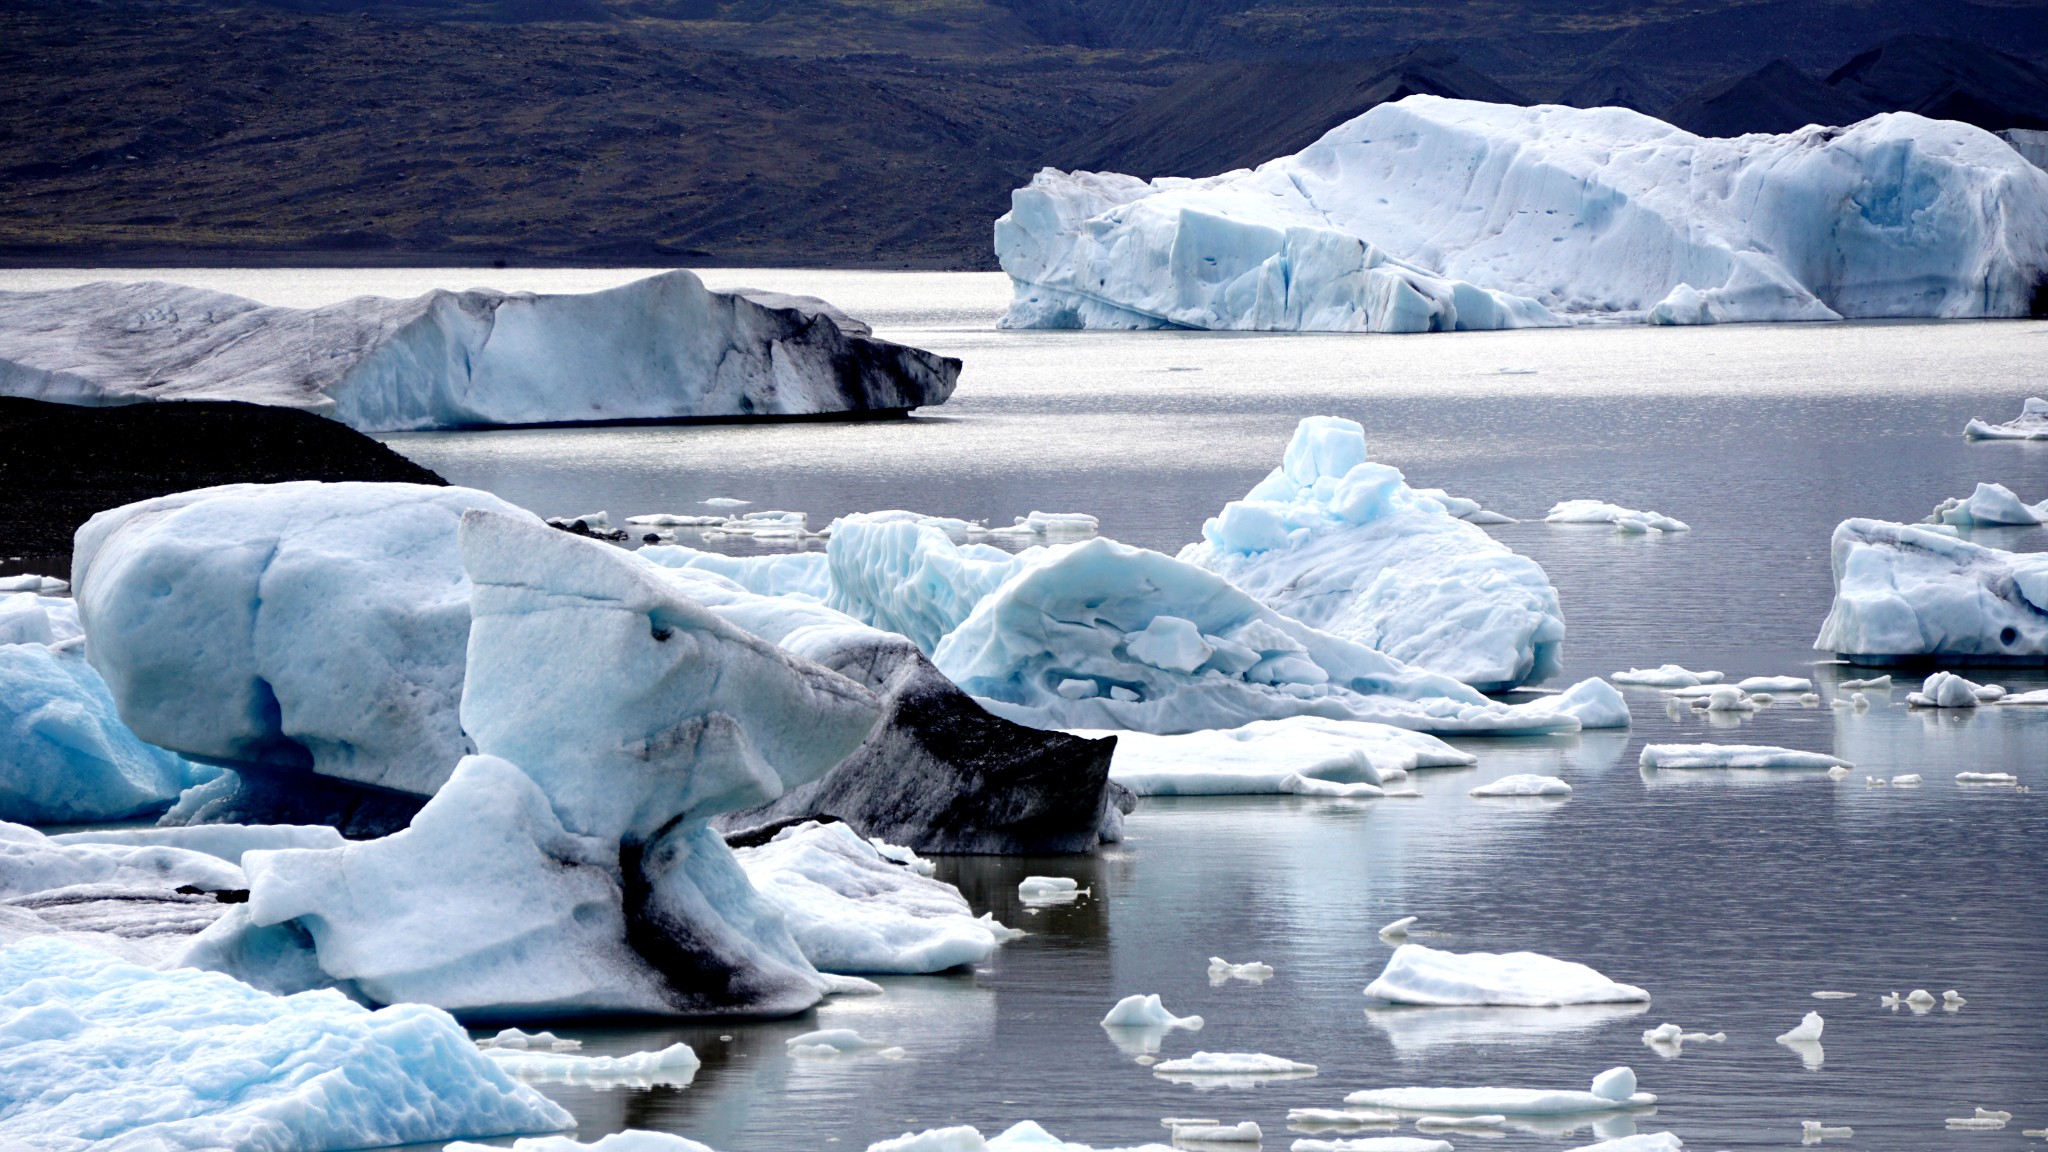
(1989, 506)
(665, 347)
(1429, 215)
(2030, 424)
(1907, 592)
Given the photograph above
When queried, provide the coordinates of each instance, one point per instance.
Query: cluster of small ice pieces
(1921, 1001)
(1252, 971)
(1416, 974)
(1628, 521)
(2030, 424)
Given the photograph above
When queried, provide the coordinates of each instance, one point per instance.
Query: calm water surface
(1730, 896)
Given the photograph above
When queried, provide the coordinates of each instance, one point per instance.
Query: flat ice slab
(1433, 215)
(1416, 974)
(1665, 676)
(1613, 1090)
(1633, 521)
(664, 347)
(1906, 591)
(1025, 1136)
(1524, 784)
(1260, 757)
(1676, 756)
(124, 1056)
(2030, 424)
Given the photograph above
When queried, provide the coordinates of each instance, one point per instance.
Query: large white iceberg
(1906, 592)
(1262, 757)
(1416, 974)
(1428, 214)
(2030, 424)
(664, 347)
(1345, 545)
(99, 1053)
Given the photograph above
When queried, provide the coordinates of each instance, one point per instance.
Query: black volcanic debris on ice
(61, 463)
(858, 133)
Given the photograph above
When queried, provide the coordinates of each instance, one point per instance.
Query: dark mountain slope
(1777, 97)
(1616, 86)
(1948, 79)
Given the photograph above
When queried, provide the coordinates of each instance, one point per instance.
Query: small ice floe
(1775, 684)
(724, 502)
(2037, 697)
(2035, 1133)
(672, 520)
(42, 585)
(1685, 756)
(1952, 1000)
(1460, 1123)
(770, 524)
(1986, 778)
(1824, 994)
(1398, 930)
(831, 1043)
(1222, 971)
(1524, 784)
(1761, 699)
(1310, 1119)
(1612, 1091)
(1889, 1000)
(1813, 1132)
(1875, 683)
(1416, 974)
(1726, 699)
(1230, 1069)
(1042, 890)
(1244, 1132)
(1990, 506)
(1837, 772)
(1627, 520)
(1859, 701)
(543, 1041)
(1668, 1040)
(1002, 932)
(1516, 371)
(1906, 780)
(1948, 690)
(1809, 699)
(1805, 1040)
(1188, 1121)
(1372, 1144)
(1138, 1024)
(2030, 424)
(1920, 1000)
(1875, 781)
(1665, 676)
(675, 1065)
(1983, 1120)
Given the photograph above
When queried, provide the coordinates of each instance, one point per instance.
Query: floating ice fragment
(2030, 424)
(671, 520)
(1875, 682)
(1234, 1064)
(1826, 995)
(1221, 970)
(1809, 1029)
(1416, 974)
(1761, 698)
(43, 585)
(1398, 929)
(1670, 1040)
(1372, 1144)
(1628, 520)
(1991, 505)
(1641, 1142)
(674, 1065)
(1813, 1132)
(1260, 757)
(1920, 998)
(1298, 785)
(1524, 784)
(1860, 701)
(1945, 690)
(1775, 684)
(1727, 699)
(1982, 1120)
(1683, 756)
(1905, 590)
(1509, 1101)
(1310, 1118)
(1050, 890)
(1002, 932)
(1837, 772)
(1952, 1000)
(514, 1038)
(1187, 1121)
(1986, 778)
(1147, 1012)
(1889, 1000)
(1454, 1123)
(1906, 780)
(1875, 781)
(1665, 676)
(629, 1140)
(1244, 1132)
(828, 1043)
(725, 502)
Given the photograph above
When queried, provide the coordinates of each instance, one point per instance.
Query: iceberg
(1948, 690)
(1431, 215)
(1263, 756)
(660, 348)
(1676, 756)
(851, 910)
(1612, 1090)
(1343, 544)
(65, 755)
(910, 578)
(95, 1051)
(1524, 784)
(1990, 506)
(1909, 592)
(1632, 521)
(144, 903)
(2030, 424)
(791, 574)
(1416, 974)
(29, 617)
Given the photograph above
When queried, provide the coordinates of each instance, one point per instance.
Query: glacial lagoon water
(1731, 896)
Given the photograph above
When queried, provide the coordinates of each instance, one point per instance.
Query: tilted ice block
(65, 756)
(1427, 214)
(851, 910)
(1260, 756)
(1906, 592)
(1991, 505)
(299, 626)
(2030, 424)
(99, 1052)
(1345, 545)
(662, 347)
(938, 772)
(1416, 974)
(1066, 616)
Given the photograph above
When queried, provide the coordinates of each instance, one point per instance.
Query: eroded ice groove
(1429, 214)
(1680, 756)
(146, 903)
(1262, 756)
(583, 876)
(1990, 506)
(1417, 974)
(1612, 1090)
(1343, 544)
(852, 910)
(674, 1065)
(1904, 590)
(1524, 784)
(1665, 676)
(95, 1048)
(2030, 424)
(663, 347)
(1631, 521)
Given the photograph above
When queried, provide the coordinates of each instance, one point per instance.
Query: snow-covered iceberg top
(664, 347)
(1428, 214)
(1990, 506)
(1416, 974)
(2030, 424)
(1906, 591)
(1273, 756)
(1343, 544)
(97, 1051)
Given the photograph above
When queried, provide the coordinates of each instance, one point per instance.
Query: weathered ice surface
(297, 627)
(661, 348)
(1345, 545)
(142, 902)
(1907, 593)
(1431, 215)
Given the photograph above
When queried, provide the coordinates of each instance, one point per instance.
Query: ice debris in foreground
(1398, 929)
(1524, 784)
(1262, 756)
(1612, 1090)
(1629, 521)
(1677, 756)
(98, 1050)
(1343, 544)
(1904, 590)
(2030, 424)
(1805, 1040)
(1416, 974)
(1665, 676)
(662, 347)
(1990, 506)
(1427, 214)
